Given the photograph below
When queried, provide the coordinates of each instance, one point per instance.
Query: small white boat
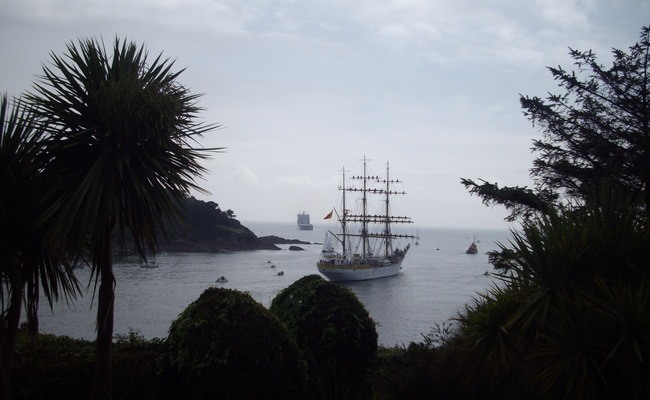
(221, 279)
(148, 264)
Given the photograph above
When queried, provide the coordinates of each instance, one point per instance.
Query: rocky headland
(211, 230)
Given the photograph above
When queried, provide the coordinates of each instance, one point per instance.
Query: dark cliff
(209, 229)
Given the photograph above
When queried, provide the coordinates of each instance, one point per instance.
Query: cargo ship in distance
(303, 222)
(363, 246)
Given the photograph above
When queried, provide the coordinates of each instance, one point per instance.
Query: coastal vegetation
(334, 332)
(26, 263)
(567, 319)
(119, 128)
(226, 345)
(59, 367)
(110, 133)
(207, 228)
(595, 130)
(571, 315)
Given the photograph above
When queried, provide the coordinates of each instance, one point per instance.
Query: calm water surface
(437, 279)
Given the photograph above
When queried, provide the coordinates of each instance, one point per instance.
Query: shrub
(59, 367)
(136, 367)
(572, 311)
(226, 345)
(420, 371)
(48, 366)
(335, 333)
(406, 373)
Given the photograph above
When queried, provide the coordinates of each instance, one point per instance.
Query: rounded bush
(226, 345)
(334, 331)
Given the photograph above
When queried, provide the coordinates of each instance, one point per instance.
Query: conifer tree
(597, 129)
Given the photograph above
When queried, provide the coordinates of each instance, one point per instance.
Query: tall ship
(363, 246)
(303, 222)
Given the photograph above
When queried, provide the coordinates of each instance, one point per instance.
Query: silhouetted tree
(598, 129)
(120, 159)
(571, 313)
(26, 259)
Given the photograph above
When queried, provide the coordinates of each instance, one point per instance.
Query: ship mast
(344, 219)
(364, 213)
(387, 239)
(385, 235)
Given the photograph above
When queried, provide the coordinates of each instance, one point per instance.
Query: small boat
(472, 249)
(364, 246)
(280, 273)
(149, 264)
(221, 279)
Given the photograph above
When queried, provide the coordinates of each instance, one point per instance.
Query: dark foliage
(521, 201)
(207, 219)
(30, 268)
(225, 345)
(597, 130)
(209, 229)
(121, 134)
(58, 367)
(334, 331)
(420, 371)
(572, 312)
(410, 373)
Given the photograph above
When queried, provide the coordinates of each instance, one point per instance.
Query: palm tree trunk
(8, 333)
(106, 301)
(32, 307)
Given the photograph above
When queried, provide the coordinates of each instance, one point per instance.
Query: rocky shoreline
(211, 230)
(226, 245)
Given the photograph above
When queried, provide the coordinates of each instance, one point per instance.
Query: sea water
(437, 280)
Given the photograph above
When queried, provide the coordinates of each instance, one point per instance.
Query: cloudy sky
(302, 89)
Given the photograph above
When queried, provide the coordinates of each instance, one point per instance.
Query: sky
(302, 89)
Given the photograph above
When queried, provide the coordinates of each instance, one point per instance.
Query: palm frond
(26, 255)
(120, 128)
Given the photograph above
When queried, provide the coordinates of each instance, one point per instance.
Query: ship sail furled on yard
(364, 245)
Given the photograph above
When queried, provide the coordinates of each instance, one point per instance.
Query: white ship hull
(341, 273)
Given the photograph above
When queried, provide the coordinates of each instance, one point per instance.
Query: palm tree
(120, 128)
(26, 259)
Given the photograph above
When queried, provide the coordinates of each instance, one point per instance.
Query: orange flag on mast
(328, 216)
